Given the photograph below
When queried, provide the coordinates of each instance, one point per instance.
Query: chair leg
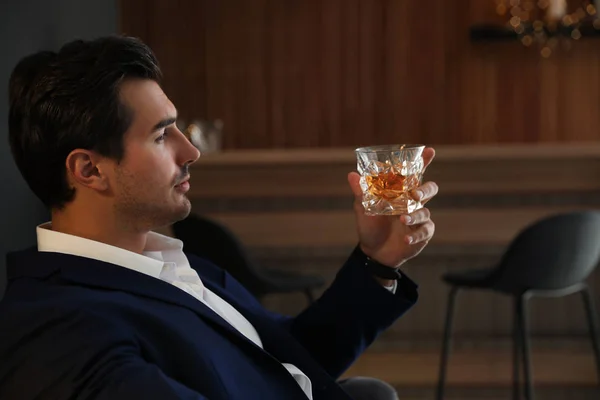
(309, 296)
(446, 343)
(524, 344)
(592, 318)
(516, 353)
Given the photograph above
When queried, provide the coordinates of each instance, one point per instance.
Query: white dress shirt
(163, 259)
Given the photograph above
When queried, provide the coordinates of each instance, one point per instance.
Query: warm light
(557, 9)
(527, 40)
(580, 13)
(591, 9)
(552, 24)
(567, 20)
(546, 52)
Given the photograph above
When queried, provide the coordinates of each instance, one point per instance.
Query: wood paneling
(332, 73)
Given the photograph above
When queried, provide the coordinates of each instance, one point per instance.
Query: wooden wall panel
(333, 73)
(175, 30)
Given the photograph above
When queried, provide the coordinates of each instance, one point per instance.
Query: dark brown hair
(67, 100)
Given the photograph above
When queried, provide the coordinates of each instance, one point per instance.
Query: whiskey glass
(387, 175)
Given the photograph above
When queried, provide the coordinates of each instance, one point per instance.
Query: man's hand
(392, 240)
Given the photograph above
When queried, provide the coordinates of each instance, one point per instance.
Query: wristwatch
(376, 268)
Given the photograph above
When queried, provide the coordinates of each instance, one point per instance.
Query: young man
(103, 308)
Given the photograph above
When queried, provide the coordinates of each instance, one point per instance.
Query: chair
(550, 258)
(214, 242)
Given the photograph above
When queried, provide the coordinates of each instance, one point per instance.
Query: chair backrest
(212, 241)
(554, 253)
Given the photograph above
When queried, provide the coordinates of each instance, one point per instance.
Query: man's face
(147, 183)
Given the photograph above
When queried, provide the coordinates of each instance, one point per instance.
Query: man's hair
(70, 100)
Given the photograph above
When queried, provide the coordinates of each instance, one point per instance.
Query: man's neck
(94, 227)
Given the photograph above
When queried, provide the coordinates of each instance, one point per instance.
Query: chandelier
(549, 23)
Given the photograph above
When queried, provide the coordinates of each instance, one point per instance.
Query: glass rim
(384, 148)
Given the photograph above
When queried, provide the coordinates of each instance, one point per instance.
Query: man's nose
(194, 153)
(188, 153)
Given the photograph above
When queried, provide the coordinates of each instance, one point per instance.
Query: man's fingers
(423, 234)
(354, 181)
(417, 217)
(425, 192)
(428, 156)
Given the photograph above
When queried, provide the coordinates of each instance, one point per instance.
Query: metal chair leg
(524, 344)
(516, 395)
(592, 318)
(446, 343)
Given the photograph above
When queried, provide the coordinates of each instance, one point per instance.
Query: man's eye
(162, 137)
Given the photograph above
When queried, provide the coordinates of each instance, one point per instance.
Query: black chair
(550, 258)
(210, 240)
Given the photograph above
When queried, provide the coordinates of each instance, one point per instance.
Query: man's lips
(184, 185)
(187, 178)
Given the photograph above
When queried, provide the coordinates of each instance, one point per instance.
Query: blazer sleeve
(83, 356)
(350, 315)
(346, 319)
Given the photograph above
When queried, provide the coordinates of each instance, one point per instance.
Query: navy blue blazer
(77, 328)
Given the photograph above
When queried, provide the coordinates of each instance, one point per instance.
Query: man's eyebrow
(164, 123)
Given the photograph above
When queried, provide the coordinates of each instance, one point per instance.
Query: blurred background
(282, 91)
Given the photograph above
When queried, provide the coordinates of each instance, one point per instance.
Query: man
(102, 308)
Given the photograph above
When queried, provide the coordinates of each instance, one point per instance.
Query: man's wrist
(381, 260)
(383, 274)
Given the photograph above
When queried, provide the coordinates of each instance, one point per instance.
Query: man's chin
(183, 212)
(174, 216)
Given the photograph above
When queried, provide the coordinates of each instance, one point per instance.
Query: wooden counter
(302, 197)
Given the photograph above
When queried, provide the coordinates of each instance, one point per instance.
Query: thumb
(354, 181)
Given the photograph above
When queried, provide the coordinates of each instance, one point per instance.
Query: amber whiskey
(390, 185)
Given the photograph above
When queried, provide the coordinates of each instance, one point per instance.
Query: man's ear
(83, 169)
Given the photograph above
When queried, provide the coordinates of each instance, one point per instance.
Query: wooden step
(467, 393)
(488, 368)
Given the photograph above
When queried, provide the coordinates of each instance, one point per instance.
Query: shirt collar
(150, 262)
